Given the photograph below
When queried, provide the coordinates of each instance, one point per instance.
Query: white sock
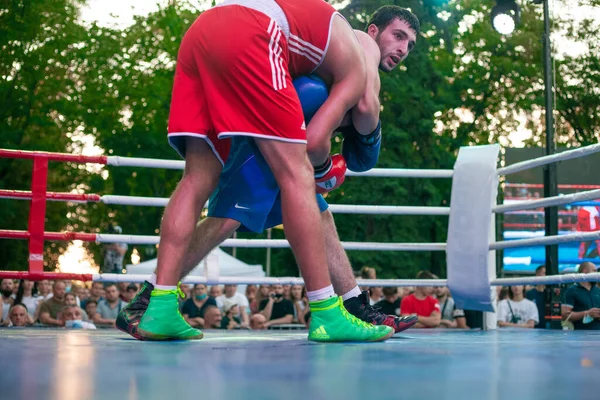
(163, 287)
(355, 292)
(152, 279)
(321, 294)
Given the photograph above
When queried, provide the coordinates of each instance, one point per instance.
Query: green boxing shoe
(163, 321)
(330, 322)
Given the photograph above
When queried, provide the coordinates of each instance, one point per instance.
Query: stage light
(505, 16)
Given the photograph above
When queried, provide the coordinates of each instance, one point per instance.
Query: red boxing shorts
(231, 79)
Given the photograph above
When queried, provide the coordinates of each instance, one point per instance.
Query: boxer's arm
(348, 85)
(365, 115)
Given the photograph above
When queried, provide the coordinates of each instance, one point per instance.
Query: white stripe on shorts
(275, 59)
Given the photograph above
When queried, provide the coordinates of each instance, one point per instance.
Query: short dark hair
(538, 269)
(390, 291)
(387, 14)
(425, 275)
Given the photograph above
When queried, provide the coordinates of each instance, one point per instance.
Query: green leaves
(463, 84)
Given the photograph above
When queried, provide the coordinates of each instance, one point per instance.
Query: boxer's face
(395, 42)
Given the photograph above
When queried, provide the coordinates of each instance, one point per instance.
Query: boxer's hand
(361, 151)
(330, 175)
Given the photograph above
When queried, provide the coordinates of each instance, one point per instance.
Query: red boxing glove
(330, 175)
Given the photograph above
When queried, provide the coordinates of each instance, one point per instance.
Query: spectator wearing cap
(231, 317)
(193, 309)
(581, 304)
(276, 309)
(114, 253)
(422, 303)
(230, 297)
(50, 309)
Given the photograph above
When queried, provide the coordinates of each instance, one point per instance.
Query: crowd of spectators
(65, 304)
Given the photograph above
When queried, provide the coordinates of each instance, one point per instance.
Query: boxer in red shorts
(234, 77)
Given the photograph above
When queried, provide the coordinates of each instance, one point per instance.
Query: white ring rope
(388, 210)
(278, 243)
(547, 240)
(282, 243)
(335, 208)
(537, 162)
(548, 202)
(135, 201)
(249, 280)
(547, 280)
(118, 161)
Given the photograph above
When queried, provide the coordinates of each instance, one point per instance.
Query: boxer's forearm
(365, 116)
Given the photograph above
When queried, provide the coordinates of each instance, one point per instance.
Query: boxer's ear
(372, 30)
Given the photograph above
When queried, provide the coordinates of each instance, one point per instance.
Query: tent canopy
(228, 266)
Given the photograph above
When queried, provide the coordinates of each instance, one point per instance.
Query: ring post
(474, 191)
(37, 214)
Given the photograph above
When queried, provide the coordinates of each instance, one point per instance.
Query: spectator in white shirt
(232, 297)
(517, 311)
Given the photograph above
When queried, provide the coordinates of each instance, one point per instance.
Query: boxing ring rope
(162, 202)
(545, 160)
(117, 161)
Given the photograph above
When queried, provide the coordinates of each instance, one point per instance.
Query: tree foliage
(62, 83)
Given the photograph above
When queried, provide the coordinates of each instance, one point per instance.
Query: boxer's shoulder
(369, 45)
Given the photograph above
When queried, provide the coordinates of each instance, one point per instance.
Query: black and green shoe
(130, 316)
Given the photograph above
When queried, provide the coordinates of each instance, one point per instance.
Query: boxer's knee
(289, 164)
(202, 167)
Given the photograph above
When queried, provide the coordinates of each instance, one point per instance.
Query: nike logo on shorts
(241, 207)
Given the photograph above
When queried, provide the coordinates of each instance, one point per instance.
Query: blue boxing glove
(361, 151)
(312, 92)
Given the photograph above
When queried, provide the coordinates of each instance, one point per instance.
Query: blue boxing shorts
(247, 191)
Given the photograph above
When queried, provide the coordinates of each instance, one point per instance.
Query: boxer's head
(395, 29)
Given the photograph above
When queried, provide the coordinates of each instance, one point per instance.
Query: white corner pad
(474, 191)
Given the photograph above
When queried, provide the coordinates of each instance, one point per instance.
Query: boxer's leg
(294, 175)
(209, 233)
(162, 320)
(344, 283)
(201, 175)
(338, 263)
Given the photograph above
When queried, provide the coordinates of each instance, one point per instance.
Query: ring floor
(417, 364)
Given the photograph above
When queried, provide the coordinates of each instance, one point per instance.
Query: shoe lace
(179, 291)
(355, 321)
